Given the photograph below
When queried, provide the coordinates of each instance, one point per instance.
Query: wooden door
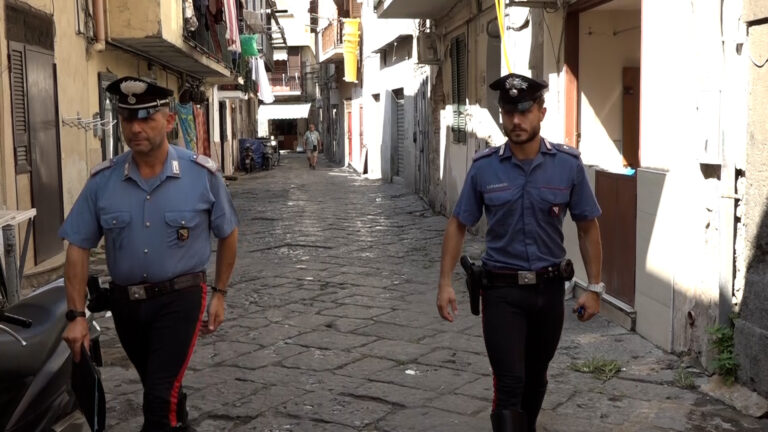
(631, 116)
(617, 195)
(36, 140)
(349, 135)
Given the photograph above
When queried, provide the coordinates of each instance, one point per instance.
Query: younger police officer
(156, 206)
(525, 188)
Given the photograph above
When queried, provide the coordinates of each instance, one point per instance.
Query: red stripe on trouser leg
(180, 376)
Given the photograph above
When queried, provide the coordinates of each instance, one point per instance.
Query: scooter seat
(45, 308)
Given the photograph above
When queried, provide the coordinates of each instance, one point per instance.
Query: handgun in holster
(98, 296)
(474, 282)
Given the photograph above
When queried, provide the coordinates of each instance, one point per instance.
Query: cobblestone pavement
(332, 326)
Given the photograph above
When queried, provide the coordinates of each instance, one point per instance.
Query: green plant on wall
(724, 363)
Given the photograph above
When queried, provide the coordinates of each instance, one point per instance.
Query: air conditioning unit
(428, 48)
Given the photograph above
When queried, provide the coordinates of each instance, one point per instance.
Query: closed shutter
(400, 137)
(19, 107)
(459, 88)
(355, 9)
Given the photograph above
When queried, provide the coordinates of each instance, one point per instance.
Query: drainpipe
(98, 25)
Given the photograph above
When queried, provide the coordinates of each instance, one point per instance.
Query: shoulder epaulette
(483, 153)
(207, 162)
(109, 163)
(573, 151)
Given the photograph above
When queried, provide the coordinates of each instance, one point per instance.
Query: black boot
(508, 421)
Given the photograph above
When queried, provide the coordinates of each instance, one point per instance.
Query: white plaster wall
(603, 55)
(296, 23)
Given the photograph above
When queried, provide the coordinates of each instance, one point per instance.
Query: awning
(284, 111)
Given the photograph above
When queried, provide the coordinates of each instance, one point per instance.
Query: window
(459, 88)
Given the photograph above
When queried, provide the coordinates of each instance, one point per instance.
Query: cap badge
(131, 88)
(513, 84)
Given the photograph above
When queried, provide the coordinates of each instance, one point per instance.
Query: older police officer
(156, 206)
(525, 188)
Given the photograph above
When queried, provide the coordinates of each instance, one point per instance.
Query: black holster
(98, 296)
(474, 282)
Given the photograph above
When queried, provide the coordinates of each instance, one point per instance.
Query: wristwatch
(598, 288)
(72, 315)
(223, 292)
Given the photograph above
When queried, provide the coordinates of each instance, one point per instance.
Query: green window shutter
(461, 73)
(459, 88)
(19, 107)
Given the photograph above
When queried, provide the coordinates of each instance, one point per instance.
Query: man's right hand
(446, 302)
(75, 335)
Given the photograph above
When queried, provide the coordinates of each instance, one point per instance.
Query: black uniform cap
(518, 92)
(138, 98)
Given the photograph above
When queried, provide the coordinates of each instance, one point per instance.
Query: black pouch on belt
(474, 283)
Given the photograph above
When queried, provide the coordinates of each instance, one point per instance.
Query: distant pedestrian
(156, 206)
(313, 144)
(525, 188)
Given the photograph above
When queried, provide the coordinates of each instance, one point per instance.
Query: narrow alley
(332, 326)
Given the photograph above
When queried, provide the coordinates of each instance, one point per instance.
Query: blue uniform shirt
(155, 229)
(525, 205)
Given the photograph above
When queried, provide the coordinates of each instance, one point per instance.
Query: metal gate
(422, 132)
(400, 138)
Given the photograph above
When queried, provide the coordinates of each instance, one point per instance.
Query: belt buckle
(526, 278)
(137, 292)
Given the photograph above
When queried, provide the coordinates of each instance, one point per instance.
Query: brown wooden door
(617, 195)
(631, 116)
(33, 86)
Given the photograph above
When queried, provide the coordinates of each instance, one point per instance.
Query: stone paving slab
(332, 327)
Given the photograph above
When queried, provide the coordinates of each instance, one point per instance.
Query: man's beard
(515, 137)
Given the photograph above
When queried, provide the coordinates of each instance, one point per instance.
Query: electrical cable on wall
(500, 19)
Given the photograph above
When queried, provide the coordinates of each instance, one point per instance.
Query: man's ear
(170, 122)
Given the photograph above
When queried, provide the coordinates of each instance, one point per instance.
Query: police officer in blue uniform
(156, 206)
(525, 188)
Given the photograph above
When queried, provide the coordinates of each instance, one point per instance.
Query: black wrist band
(223, 292)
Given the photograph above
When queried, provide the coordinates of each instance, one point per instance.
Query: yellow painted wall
(135, 18)
(78, 68)
(7, 178)
(173, 22)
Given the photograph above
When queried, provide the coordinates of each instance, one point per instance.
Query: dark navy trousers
(159, 335)
(522, 327)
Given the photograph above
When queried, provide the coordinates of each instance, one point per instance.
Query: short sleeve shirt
(312, 139)
(154, 229)
(525, 205)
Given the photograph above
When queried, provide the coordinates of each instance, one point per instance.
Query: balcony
(285, 85)
(412, 9)
(331, 42)
(155, 29)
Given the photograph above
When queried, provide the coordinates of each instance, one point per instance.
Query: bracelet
(223, 292)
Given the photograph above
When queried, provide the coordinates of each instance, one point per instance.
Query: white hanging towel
(265, 89)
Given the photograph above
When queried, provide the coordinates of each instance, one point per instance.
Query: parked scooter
(36, 364)
(271, 154)
(248, 163)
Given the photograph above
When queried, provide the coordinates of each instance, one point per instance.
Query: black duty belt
(521, 277)
(156, 289)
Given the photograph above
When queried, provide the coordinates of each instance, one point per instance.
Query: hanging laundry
(203, 146)
(233, 33)
(186, 118)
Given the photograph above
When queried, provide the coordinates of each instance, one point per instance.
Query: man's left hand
(590, 301)
(215, 314)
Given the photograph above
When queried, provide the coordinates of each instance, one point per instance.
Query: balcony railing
(282, 83)
(332, 36)
(213, 41)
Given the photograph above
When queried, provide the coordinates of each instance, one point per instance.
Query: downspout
(98, 25)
